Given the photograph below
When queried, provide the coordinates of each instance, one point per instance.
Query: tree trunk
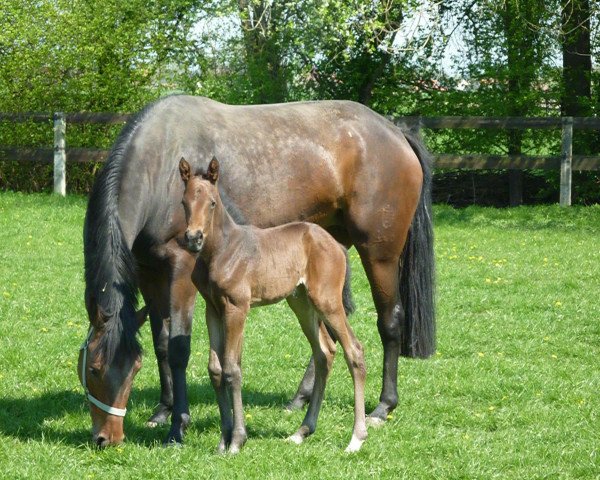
(577, 66)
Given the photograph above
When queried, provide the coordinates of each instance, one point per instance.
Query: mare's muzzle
(194, 240)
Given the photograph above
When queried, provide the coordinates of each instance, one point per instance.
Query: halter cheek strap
(119, 412)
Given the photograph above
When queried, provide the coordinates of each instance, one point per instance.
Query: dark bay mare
(334, 163)
(244, 266)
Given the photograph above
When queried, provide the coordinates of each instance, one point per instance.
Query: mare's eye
(94, 371)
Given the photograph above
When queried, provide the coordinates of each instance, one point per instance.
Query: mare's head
(199, 201)
(106, 369)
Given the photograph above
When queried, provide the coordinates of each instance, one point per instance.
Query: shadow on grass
(42, 418)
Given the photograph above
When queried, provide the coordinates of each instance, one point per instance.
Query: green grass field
(513, 391)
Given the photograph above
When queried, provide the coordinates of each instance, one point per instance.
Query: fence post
(566, 159)
(60, 158)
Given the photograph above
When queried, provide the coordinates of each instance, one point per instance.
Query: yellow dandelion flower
(558, 303)
(481, 354)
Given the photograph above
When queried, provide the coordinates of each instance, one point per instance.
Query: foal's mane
(110, 267)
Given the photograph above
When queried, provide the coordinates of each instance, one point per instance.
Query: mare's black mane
(110, 267)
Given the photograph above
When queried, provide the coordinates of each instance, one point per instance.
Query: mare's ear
(212, 174)
(185, 170)
(98, 317)
(141, 315)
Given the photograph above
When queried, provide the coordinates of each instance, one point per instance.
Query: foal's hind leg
(323, 349)
(353, 353)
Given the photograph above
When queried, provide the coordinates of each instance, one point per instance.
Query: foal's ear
(185, 170)
(212, 174)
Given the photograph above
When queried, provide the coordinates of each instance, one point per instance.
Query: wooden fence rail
(566, 161)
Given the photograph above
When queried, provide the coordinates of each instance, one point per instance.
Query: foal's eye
(212, 204)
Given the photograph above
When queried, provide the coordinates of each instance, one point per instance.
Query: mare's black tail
(347, 299)
(417, 274)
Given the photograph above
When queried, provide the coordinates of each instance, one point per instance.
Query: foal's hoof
(355, 444)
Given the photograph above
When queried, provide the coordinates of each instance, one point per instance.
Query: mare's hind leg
(323, 349)
(378, 226)
(383, 277)
(155, 290)
(302, 395)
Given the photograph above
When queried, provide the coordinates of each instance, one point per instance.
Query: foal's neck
(223, 230)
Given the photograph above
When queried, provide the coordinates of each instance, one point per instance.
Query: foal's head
(199, 201)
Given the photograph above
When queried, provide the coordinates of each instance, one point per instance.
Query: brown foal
(246, 266)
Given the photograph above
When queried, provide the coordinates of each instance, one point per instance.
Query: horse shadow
(46, 416)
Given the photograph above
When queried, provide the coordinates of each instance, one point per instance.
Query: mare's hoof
(173, 444)
(233, 450)
(296, 438)
(375, 421)
(174, 438)
(160, 416)
(296, 403)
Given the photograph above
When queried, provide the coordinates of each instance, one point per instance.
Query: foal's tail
(347, 299)
(417, 274)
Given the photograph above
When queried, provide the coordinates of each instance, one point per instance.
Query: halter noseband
(119, 412)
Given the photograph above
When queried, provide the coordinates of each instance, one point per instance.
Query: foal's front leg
(215, 371)
(234, 319)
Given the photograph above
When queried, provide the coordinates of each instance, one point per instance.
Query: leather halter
(119, 412)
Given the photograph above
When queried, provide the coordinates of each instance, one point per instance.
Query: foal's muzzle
(194, 240)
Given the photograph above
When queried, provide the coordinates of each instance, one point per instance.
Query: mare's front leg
(182, 300)
(234, 319)
(155, 288)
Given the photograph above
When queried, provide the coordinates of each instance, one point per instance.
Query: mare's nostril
(101, 442)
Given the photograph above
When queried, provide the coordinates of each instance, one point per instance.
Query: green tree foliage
(77, 55)
(401, 57)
